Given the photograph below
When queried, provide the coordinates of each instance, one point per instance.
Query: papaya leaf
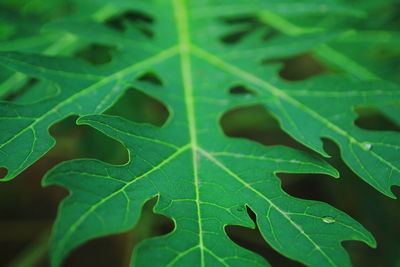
(203, 180)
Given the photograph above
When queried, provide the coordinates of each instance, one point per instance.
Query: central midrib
(182, 22)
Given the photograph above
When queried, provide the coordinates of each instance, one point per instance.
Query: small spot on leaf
(367, 146)
(328, 219)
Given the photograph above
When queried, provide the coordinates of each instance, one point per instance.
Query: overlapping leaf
(49, 42)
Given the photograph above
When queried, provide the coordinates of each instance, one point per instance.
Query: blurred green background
(27, 210)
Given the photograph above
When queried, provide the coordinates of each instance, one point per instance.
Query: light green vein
(180, 255)
(158, 141)
(61, 174)
(181, 17)
(222, 261)
(359, 93)
(69, 74)
(276, 160)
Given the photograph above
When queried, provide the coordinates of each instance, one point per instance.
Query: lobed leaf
(203, 180)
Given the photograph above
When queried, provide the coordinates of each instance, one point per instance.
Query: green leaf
(204, 180)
